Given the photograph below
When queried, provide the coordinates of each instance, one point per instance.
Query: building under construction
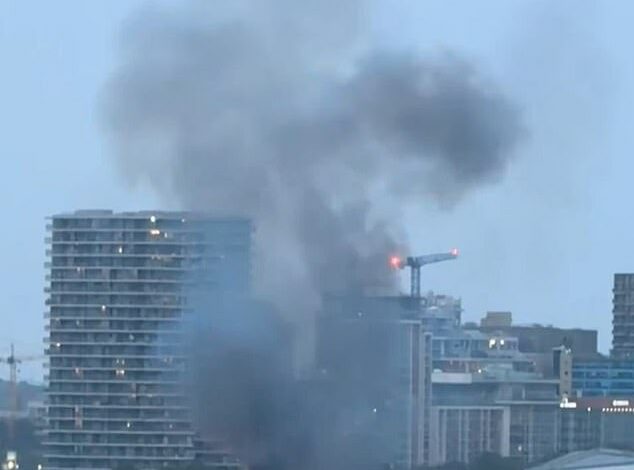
(118, 288)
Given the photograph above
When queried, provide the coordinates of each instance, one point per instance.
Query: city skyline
(511, 259)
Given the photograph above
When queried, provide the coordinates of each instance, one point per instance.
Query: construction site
(22, 415)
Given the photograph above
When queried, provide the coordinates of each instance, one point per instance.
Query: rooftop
(107, 214)
(591, 460)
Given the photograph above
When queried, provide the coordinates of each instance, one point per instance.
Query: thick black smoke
(281, 110)
(236, 115)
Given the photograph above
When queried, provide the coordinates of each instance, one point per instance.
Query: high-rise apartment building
(623, 316)
(118, 288)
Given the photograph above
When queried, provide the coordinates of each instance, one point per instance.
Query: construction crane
(417, 262)
(12, 361)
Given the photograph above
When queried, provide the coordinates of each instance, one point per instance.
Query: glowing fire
(395, 262)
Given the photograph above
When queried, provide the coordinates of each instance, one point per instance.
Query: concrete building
(470, 351)
(623, 316)
(495, 410)
(562, 369)
(596, 422)
(378, 353)
(542, 338)
(489, 396)
(118, 287)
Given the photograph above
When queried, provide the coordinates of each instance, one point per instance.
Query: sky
(542, 242)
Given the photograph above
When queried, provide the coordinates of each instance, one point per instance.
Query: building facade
(378, 353)
(623, 316)
(490, 397)
(602, 377)
(497, 410)
(118, 287)
(596, 422)
(541, 338)
(562, 369)
(463, 433)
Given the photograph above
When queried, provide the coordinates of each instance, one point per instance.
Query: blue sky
(543, 242)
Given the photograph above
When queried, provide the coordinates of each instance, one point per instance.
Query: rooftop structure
(497, 320)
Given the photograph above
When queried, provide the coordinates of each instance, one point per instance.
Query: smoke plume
(281, 112)
(284, 112)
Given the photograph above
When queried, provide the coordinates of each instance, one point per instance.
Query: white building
(497, 410)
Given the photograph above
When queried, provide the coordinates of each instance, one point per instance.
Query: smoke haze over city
(270, 110)
(277, 113)
(530, 53)
(287, 157)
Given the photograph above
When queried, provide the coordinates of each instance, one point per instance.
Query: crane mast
(417, 262)
(13, 361)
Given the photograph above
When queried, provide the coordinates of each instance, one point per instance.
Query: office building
(623, 316)
(119, 286)
(499, 410)
(540, 338)
(490, 397)
(471, 351)
(600, 376)
(377, 352)
(596, 422)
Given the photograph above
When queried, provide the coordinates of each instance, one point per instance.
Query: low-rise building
(499, 410)
(593, 422)
(542, 338)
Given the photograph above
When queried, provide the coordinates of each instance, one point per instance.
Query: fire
(395, 262)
